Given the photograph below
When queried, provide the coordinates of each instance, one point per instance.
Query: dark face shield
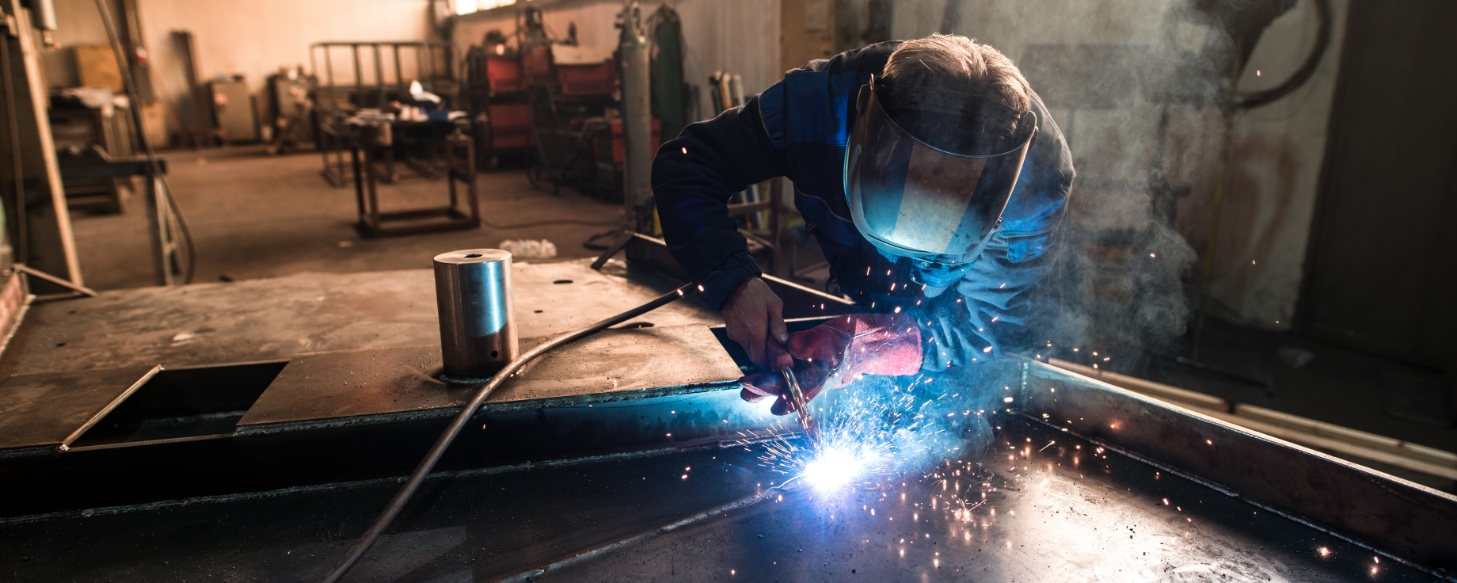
(938, 198)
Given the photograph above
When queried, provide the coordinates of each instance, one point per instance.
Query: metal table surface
(528, 493)
(313, 379)
(1061, 513)
(375, 335)
(275, 319)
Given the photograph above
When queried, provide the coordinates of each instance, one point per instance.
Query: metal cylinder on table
(477, 328)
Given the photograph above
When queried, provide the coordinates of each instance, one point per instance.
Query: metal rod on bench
(418, 476)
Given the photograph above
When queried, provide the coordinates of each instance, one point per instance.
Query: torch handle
(801, 406)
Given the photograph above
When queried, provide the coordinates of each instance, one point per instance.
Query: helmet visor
(935, 202)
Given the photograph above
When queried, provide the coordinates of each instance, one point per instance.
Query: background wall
(1277, 149)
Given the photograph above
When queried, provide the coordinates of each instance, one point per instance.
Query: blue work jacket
(798, 129)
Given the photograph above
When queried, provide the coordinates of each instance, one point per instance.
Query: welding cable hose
(402, 497)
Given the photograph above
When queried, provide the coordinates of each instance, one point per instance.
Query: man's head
(936, 150)
(955, 63)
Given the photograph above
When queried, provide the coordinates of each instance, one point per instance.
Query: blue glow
(877, 430)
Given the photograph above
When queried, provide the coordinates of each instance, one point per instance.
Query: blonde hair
(955, 63)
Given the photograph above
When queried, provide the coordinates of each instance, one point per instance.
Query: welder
(920, 167)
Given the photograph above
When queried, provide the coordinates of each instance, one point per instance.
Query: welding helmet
(930, 182)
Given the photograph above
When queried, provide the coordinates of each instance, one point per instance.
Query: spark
(1324, 552)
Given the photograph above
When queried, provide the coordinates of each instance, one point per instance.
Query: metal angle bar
(28, 270)
(66, 443)
(1403, 517)
(1228, 492)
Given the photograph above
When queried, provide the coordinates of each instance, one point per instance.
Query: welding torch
(801, 404)
(801, 408)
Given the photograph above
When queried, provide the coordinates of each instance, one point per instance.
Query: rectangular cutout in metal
(182, 403)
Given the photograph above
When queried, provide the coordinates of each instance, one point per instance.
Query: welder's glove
(836, 353)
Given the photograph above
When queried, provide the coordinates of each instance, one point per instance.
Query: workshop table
(626, 457)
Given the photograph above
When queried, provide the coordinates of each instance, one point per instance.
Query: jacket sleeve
(693, 178)
(990, 312)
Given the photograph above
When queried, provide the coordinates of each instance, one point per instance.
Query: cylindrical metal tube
(477, 329)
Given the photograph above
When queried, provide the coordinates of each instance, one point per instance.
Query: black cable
(418, 476)
(1302, 74)
(21, 245)
(141, 138)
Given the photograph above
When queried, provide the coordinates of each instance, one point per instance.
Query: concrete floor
(257, 216)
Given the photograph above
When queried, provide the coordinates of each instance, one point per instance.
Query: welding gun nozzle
(801, 406)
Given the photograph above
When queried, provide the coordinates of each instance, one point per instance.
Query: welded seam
(588, 555)
(1441, 573)
(248, 496)
(488, 408)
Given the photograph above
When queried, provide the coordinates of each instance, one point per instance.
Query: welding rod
(418, 476)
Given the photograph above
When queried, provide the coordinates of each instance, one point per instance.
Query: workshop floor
(257, 216)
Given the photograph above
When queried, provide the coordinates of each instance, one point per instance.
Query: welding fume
(932, 177)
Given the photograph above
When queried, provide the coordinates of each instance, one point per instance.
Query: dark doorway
(1382, 265)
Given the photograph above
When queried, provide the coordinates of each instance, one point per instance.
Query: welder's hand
(837, 352)
(754, 318)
